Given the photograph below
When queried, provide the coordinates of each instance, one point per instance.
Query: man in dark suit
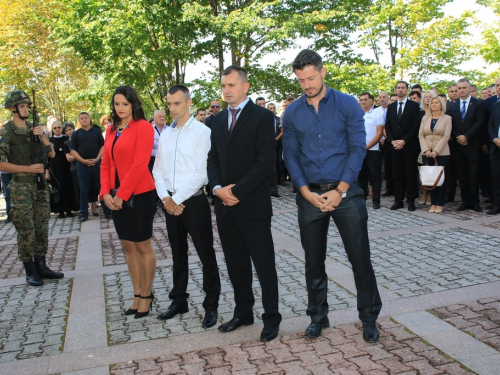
(402, 125)
(240, 161)
(467, 116)
(494, 133)
(215, 108)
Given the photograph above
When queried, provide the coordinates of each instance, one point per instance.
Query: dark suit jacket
(493, 126)
(471, 126)
(244, 158)
(406, 129)
(208, 121)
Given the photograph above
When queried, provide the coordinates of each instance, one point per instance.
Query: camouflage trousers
(30, 213)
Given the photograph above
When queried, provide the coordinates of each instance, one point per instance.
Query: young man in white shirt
(180, 172)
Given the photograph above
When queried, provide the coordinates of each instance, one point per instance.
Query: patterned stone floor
(61, 255)
(480, 319)
(428, 262)
(122, 329)
(339, 351)
(33, 320)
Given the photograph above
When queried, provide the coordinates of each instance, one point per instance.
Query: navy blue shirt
(324, 147)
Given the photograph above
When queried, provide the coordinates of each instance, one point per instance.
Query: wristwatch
(343, 194)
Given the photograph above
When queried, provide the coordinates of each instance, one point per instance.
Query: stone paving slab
(61, 256)
(56, 226)
(118, 290)
(341, 350)
(380, 220)
(113, 252)
(480, 319)
(429, 262)
(493, 224)
(33, 320)
(450, 210)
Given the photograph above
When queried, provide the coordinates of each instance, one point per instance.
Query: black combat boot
(44, 271)
(32, 277)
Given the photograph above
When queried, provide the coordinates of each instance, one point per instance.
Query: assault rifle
(37, 154)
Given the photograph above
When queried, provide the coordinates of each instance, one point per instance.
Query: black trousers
(438, 195)
(244, 241)
(371, 171)
(495, 174)
(351, 218)
(467, 164)
(279, 163)
(386, 154)
(450, 176)
(405, 173)
(196, 219)
(485, 183)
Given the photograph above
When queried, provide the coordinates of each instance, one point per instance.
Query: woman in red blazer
(127, 150)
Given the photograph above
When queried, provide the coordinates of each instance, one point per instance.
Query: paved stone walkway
(439, 277)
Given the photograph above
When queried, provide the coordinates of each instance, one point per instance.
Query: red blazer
(130, 157)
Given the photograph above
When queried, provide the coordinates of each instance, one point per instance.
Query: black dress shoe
(210, 319)
(235, 323)
(488, 200)
(462, 207)
(172, 311)
(411, 206)
(83, 219)
(477, 208)
(388, 193)
(315, 328)
(397, 205)
(489, 207)
(275, 195)
(269, 333)
(370, 332)
(494, 211)
(376, 205)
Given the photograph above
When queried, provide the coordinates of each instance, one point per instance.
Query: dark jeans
(351, 218)
(6, 177)
(196, 219)
(86, 177)
(371, 171)
(438, 195)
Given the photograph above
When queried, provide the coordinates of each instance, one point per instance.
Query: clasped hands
(431, 154)
(226, 195)
(462, 140)
(398, 144)
(113, 204)
(171, 207)
(90, 162)
(325, 202)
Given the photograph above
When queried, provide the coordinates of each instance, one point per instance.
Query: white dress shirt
(181, 161)
(157, 138)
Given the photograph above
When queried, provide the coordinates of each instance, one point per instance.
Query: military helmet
(16, 97)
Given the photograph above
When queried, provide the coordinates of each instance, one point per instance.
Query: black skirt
(136, 224)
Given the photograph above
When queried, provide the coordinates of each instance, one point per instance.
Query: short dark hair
(200, 109)
(406, 83)
(260, 98)
(268, 104)
(305, 58)
(442, 95)
(131, 96)
(370, 96)
(417, 86)
(242, 73)
(68, 124)
(416, 93)
(462, 80)
(181, 88)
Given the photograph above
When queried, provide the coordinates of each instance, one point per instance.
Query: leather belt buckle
(324, 187)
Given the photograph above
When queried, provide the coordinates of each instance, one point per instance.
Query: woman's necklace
(120, 130)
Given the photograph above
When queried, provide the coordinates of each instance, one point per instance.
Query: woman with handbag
(435, 131)
(128, 189)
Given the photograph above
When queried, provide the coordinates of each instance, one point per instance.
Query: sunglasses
(215, 106)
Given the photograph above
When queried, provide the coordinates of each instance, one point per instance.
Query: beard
(313, 95)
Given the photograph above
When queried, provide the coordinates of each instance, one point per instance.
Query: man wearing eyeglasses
(215, 107)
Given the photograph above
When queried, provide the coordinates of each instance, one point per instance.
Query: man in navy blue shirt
(324, 146)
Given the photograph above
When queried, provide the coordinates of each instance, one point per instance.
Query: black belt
(325, 187)
(25, 179)
(199, 192)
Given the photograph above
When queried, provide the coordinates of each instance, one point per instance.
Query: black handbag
(127, 204)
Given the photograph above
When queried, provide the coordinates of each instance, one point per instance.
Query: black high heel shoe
(143, 314)
(133, 311)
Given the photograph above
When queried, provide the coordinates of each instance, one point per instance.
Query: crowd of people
(333, 149)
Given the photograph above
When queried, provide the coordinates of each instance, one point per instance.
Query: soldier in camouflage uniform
(30, 205)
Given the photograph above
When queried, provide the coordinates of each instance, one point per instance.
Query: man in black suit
(494, 133)
(402, 125)
(467, 116)
(239, 163)
(215, 108)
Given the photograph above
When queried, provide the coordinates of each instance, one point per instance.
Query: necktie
(400, 110)
(234, 112)
(463, 111)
